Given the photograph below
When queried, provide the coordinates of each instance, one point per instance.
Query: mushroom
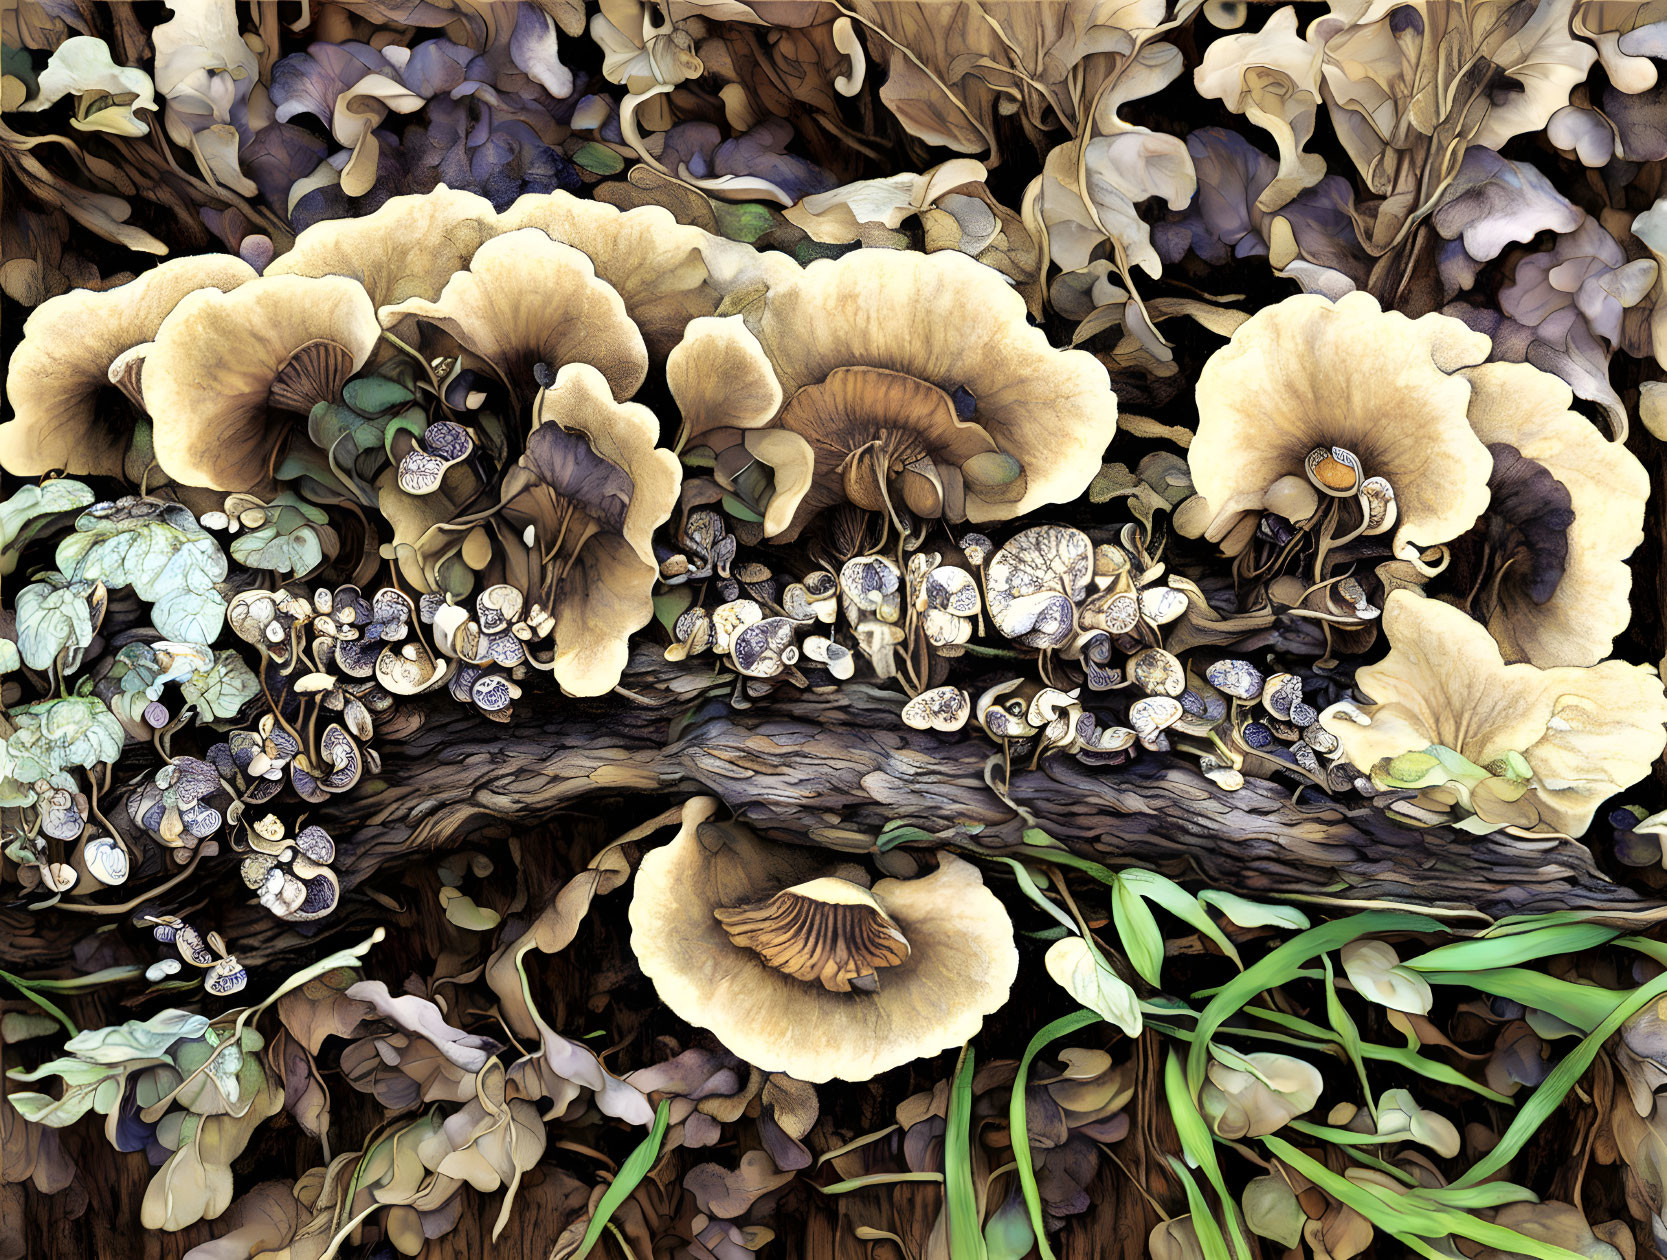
(836, 656)
(1035, 582)
(911, 382)
(764, 648)
(871, 586)
(232, 376)
(1239, 679)
(1295, 393)
(729, 619)
(1568, 737)
(693, 632)
(106, 861)
(410, 669)
(939, 709)
(1157, 673)
(797, 967)
(71, 342)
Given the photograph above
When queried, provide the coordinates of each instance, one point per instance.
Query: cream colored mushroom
(799, 968)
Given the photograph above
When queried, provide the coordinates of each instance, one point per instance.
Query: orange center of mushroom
(829, 931)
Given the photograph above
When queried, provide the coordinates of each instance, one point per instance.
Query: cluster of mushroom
(1506, 579)
(399, 379)
(1333, 422)
(291, 875)
(223, 975)
(1083, 606)
(98, 861)
(801, 964)
(910, 386)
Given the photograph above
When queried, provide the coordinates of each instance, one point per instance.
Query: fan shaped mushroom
(799, 967)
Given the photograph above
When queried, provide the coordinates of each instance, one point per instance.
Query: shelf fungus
(799, 966)
(80, 344)
(909, 385)
(1314, 402)
(1489, 745)
(232, 376)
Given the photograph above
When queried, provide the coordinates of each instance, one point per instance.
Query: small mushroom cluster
(183, 805)
(62, 812)
(757, 632)
(224, 974)
(291, 875)
(1274, 729)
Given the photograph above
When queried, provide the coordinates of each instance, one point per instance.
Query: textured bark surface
(834, 769)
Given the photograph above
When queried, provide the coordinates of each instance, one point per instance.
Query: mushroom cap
(1585, 733)
(222, 360)
(960, 966)
(954, 324)
(526, 299)
(63, 362)
(1529, 410)
(598, 611)
(667, 272)
(1308, 373)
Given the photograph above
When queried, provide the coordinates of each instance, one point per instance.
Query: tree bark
(834, 768)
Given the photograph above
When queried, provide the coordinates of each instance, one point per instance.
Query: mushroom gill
(827, 930)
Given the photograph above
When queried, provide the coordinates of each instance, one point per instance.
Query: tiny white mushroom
(939, 709)
(1035, 582)
(836, 656)
(728, 619)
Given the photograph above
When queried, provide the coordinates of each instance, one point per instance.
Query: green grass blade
(1285, 962)
(1198, 1144)
(1510, 951)
(1210, 1239)
(1549, 1096)
(1020, 1128)
(966, 1230)
(631, 1172)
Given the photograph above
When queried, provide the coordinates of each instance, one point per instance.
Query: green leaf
(53, 735)
(55, 1113)
(1247, 914)
(1138, 930)
(895, 833)
(1282, 964)
(670, 606)
(631, 1173)
(294, 539)
(1271, 1210)
(1407, 1218)
(1549, 1096)
(1018, 1124)
(373, 395)
(1083, 973)
(222, 690)
(598, 159)
(137, 1039)
(1204, 1226)
(1198, 1145)
(1007, 1234)
(24, 512)
(1583, 1006)
(966, 1238)
(740, 511)
(743, 220)
(1508, 951)
(53, 615)
(1163, 891)
(160, 551)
